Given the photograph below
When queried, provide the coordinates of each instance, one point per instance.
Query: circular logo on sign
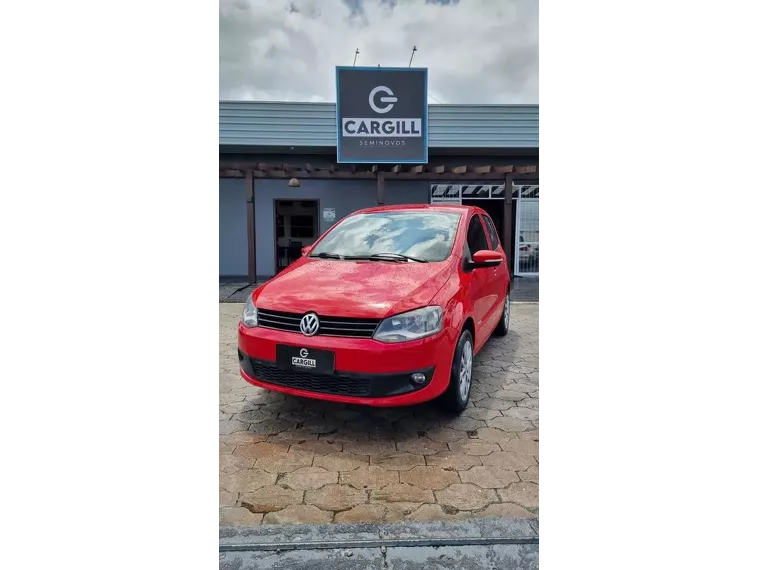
(303, 353)
(309, 324)
(391, 99)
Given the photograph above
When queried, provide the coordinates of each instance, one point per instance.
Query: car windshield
(426, 236)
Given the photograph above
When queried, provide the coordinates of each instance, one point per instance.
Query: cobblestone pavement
(294, 460)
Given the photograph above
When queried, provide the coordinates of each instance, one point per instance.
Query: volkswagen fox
(387, 308)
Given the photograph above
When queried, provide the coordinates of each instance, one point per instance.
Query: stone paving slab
(288, 460)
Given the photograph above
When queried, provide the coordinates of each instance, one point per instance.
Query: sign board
(382, 115)
(329, 214)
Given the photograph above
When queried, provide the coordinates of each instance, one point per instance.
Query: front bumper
(366, 372)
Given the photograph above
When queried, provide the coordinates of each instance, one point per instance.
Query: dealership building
(289, 171)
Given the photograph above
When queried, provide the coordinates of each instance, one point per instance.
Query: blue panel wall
(232, 228)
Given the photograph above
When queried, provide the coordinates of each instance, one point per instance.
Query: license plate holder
(305, 359)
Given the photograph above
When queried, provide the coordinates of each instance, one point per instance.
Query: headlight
(410, 326)
(250, 313)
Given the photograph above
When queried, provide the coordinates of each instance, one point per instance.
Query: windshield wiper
(398, 257)
(327, 255)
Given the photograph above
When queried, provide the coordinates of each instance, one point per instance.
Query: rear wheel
(456, 397)
(505, 320)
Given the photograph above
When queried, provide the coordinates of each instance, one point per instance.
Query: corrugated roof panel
(260, 123)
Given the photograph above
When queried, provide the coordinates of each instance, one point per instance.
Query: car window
(492, 232)
(421, 234)
(475, 238)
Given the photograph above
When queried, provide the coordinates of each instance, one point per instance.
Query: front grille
(326, 384)
(329, 326)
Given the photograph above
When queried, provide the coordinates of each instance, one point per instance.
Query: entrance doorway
(296, 225)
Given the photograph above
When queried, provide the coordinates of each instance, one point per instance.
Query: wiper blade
(395, 256)
(374, 258)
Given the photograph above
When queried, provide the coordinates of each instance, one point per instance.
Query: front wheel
(456, 397)
(502, 327)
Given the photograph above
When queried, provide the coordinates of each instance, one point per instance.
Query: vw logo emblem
(309, 324)
(303, 353)
(391, 99)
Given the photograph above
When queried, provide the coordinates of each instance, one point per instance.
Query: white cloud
(477, 51)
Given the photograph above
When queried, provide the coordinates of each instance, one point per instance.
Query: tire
(505, 321)
(453, 399)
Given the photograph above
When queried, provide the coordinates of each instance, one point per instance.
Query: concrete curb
(473, 544)
(467, 532)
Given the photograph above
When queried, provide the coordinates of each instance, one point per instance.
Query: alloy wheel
(467, 363)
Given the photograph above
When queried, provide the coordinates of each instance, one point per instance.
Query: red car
(387, 308)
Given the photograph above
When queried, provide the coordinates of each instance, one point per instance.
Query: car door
(478, 279)
(500, 275)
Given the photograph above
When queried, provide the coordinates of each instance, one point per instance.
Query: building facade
(281, 187)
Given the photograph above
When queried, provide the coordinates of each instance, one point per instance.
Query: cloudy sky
(477, 51)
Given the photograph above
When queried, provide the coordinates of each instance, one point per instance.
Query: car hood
(371, 289)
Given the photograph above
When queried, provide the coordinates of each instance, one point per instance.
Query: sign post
(382, 115)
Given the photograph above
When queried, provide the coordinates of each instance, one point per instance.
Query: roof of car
(428, 207)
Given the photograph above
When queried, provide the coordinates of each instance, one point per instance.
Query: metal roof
(271, 124)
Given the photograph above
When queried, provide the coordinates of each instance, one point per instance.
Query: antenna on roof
(412, 53)
(356, 56)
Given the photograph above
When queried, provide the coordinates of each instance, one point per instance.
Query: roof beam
(417, 172)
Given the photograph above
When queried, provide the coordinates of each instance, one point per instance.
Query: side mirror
(487, 258)
(306, 250)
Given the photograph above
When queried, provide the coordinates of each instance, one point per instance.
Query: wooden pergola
(506, 174)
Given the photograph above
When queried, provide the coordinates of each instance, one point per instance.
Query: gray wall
(406, 192)
(232, 228)
(345, 196)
